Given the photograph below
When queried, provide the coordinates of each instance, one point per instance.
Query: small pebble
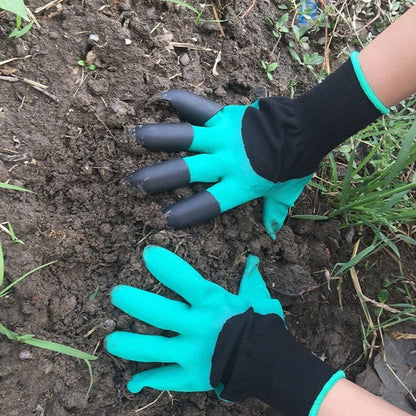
(184, 59)
(93, 39)
(25, 355)
(109, 325)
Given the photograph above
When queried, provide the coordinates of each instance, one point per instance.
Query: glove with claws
(269, 149)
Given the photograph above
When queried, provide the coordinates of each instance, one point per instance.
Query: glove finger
(208, 140)
(277, 203)
(169, 137)
(153, 309)
(252, 284)
(253, 288)
(196, 209)
(229, 194)
(274, 215)
(204, 168)
(170, 377)
(143, 348)
(161, 177)
(191, 107)
(179, 276)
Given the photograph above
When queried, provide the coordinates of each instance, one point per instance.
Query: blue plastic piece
(308, 11)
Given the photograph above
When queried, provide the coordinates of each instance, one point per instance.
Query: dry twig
(48, 6)
(249, 9)
(214, 11)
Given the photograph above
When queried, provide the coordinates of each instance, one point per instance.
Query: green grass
(17, 7)
(377, 195)
(31, 339)
(14, 187)
(377, 192)
(28, 338)
(197, 12)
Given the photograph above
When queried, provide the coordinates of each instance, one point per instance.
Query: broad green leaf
(15, 6)
(18, 33)
(273, 66)
(383, 295)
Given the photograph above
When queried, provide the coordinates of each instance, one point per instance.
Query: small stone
(332, 244)
(220, 92)
(21, 49)
(53, 35)
(98, 86)
(25, 355)
(90, 58)
(93, 38)
(184, 59)
(105, 229)
(109, 325)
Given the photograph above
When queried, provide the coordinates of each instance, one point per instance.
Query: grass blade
(347, 180)
(15, 282)
(184, 4)
(54, 346)
(14, 187)
(1, 266)
(402, 159)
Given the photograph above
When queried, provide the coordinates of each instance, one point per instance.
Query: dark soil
(71, 149)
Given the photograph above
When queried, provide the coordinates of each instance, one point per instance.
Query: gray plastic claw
(191, 107)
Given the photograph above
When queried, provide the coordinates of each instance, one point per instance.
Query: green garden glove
(269, 149)
(235, 344)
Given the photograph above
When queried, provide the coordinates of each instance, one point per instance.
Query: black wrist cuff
(333, 111)
(256, 356)
(287, 139)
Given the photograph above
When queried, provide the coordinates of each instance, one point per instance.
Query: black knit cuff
(287, 139)
(333, 111)
(256, 356)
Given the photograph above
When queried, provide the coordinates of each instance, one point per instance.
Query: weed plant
(378, 191)
(17, 7)
(197, 12)
(28, 338)
(299, 37)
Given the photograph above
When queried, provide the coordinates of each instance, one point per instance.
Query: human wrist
(256, 356)
(365, 86)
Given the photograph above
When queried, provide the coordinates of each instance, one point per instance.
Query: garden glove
(269, 149)
(237, 345)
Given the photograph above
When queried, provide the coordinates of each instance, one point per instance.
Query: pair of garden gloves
(237, 345)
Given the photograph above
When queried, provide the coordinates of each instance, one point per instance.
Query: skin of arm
(348, 399)
(389, 61)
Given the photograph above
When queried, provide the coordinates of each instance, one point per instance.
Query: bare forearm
(348, 399)
(389, 61)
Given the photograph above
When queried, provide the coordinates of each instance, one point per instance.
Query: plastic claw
(191, 107)
(193, 210)
(161, 177)
(173, 137)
